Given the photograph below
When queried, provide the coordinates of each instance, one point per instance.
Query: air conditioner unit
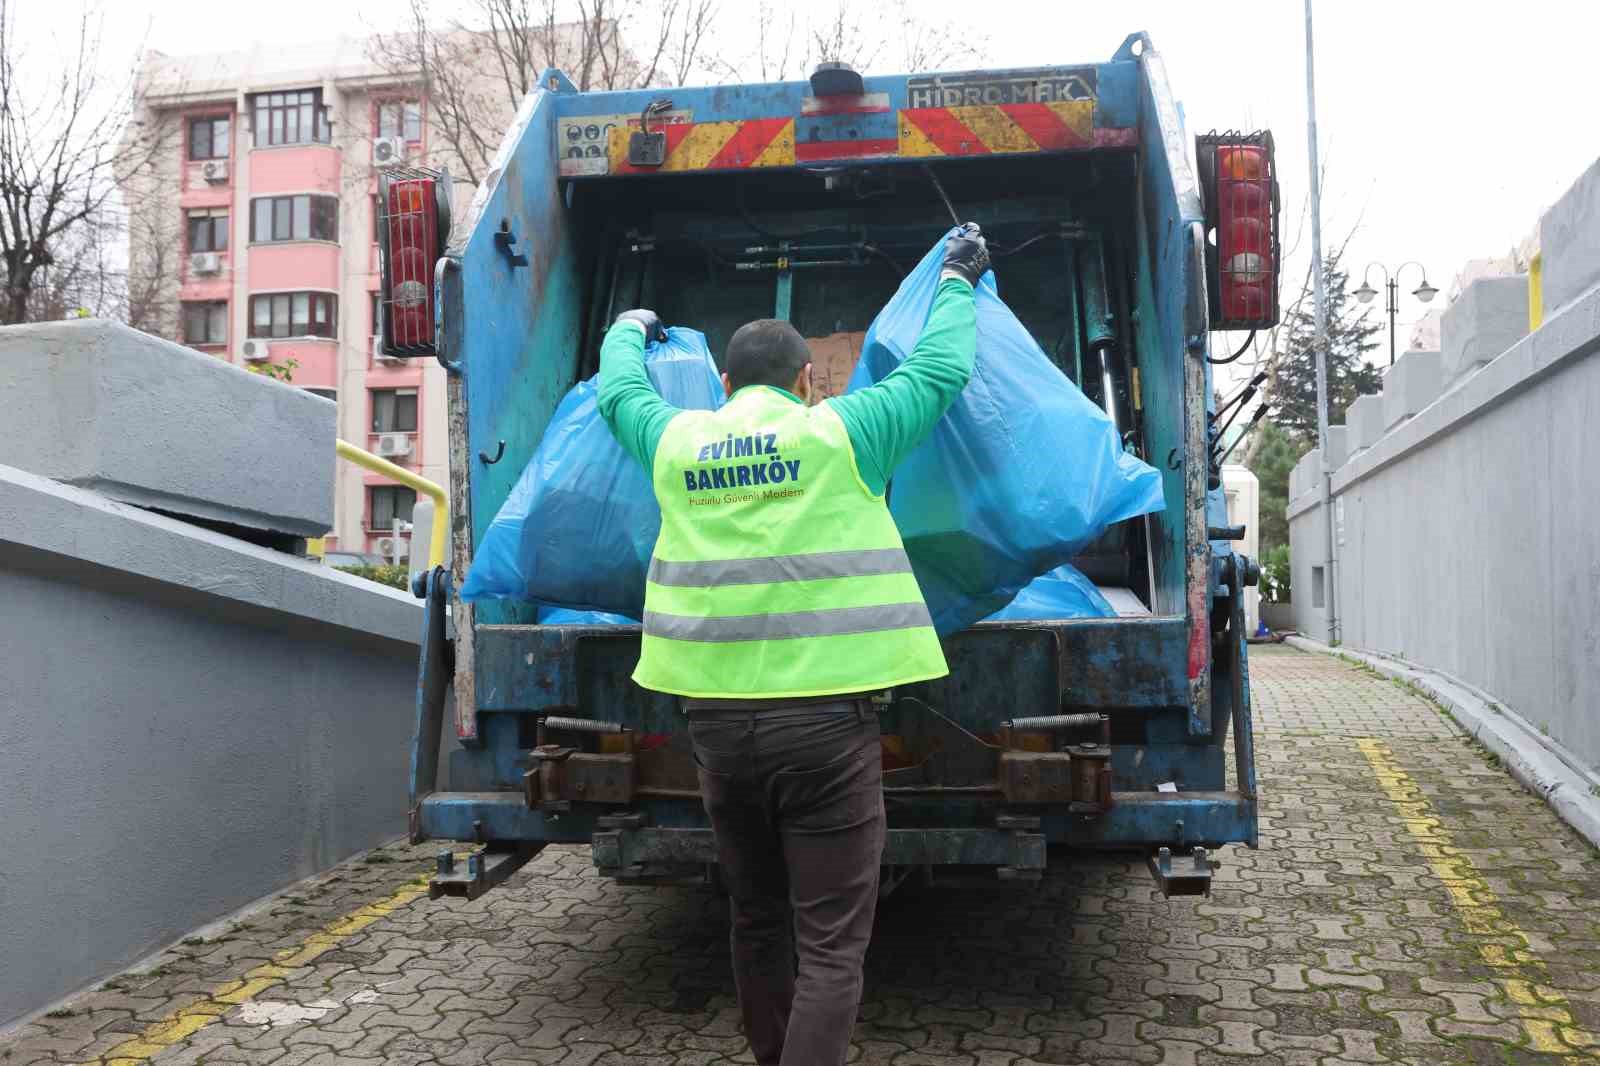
(388, 150)
(387, 547)
(205, 263)
(394, 445)
(255, 351)
(216, 171)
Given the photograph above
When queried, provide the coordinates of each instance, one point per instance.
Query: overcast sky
(1445, 133)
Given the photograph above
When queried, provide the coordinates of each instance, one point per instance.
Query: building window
(208, 231)
(205, 323)
(377, 312)
(394, 410)
(290, 118)
(389, 502)
(208, 137)
(294, 218)
(1319, 596)
(377, 220)
(326, 394)
(294, 314)
(400, 118)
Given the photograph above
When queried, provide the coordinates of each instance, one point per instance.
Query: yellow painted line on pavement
(186, 1021)
(1545, 1018)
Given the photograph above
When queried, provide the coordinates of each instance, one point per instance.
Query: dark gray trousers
(795, 796)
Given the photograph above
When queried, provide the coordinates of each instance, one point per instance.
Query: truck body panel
(772, 201)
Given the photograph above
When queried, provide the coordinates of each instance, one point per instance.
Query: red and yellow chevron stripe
(982, 129)
(759, 142)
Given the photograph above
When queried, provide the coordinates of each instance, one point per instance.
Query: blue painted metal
(1116, 103)
(522, 335)
(517, 340)
(1135, 819)
(1026, 667)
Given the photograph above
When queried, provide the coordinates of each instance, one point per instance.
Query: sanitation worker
(779, 598)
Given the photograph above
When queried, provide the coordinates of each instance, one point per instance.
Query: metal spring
(582, 725)
(1051, 722)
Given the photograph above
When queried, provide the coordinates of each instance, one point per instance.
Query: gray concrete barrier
(149, 422)
(1410, 385)
(1569, 242)
(187, 723)
(1465, 536)
(1488, 317)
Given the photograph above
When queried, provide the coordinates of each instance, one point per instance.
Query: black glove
(965, 255)
(653, 329)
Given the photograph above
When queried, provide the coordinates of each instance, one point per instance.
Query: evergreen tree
(1273, 456)
(1291, 392)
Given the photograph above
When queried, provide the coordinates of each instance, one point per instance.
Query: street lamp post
(1391, 283)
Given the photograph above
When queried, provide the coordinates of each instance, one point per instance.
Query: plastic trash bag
(578, 528)
(1062, 593)
(562, 616)
(1021, 474)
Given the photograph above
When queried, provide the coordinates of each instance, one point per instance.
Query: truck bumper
(627, 845)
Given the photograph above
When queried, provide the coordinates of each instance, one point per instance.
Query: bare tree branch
(65, 138)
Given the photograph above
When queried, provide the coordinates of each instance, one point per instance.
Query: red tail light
(1240, 186)
(409, 243)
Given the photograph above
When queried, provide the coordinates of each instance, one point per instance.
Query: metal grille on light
(1240, 183)
(411, 224)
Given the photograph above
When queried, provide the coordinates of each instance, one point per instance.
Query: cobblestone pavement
(1409, 904)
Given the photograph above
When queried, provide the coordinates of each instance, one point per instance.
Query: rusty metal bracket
(1185, 875)
(1026, 854)
(1036, 776)
(482, 870)
(562, 776)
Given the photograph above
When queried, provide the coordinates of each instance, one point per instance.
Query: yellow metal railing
(1535, 293)
(441, 509)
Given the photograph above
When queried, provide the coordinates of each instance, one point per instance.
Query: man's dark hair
(768, 351)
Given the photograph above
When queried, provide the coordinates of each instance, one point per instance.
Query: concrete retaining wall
(187, 722)
(1468, 535)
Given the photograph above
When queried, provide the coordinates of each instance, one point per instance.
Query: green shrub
(398, 577)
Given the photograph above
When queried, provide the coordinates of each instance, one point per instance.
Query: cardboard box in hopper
(148, 422)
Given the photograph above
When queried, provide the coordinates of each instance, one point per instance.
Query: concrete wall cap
(153, 423)
(84, 527)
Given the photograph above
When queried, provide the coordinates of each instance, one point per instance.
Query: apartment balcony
(207, 183)
(316, 358)
(295, 168)
(205, 276)
(285, 265)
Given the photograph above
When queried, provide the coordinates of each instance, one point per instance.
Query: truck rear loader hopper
(804, 201)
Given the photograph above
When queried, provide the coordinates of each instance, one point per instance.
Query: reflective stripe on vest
(777, 572)
(815, 566)
(826, 623)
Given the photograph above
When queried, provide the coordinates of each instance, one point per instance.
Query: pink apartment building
(263, 226)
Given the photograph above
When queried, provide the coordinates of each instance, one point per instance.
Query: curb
(1537, 762)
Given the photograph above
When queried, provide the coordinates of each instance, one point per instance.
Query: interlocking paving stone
(1336, 942)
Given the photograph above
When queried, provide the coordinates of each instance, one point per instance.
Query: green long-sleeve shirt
(885, 422)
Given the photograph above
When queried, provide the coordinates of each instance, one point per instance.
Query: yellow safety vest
(777, 572)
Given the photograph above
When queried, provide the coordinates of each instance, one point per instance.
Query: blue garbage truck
(1122, 245)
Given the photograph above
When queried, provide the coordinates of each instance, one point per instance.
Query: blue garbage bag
(1062, 593)
(578, 527)
(562, 616)
(1021, 474)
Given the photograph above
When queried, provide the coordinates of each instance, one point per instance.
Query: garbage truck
(1121, 244)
